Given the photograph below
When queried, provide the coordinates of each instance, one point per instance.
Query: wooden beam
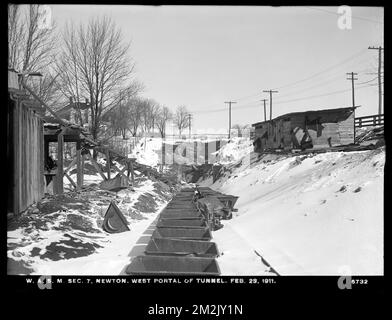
(79, 166)
(16, 146)
(121, 172)
(107, 154)
(43, 103)
(118, 169)
(46, 150)
(82, 167)
(70, 180)
(70, 166)
(58, 186)
(96, 166)
(132, 172)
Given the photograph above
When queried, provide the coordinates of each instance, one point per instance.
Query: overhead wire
(349, 59)
(252, 105)
(353, 16)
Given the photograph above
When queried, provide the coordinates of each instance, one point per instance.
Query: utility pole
(379, 78)
(265, 110)
(271, 92)
(352, 74)
(190, 124)
(229, 103)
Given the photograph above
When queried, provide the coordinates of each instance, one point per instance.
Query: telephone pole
(229, 103)
(379, 78)
(190, 124)
(271, 92)
(265, 110)
(352, 74)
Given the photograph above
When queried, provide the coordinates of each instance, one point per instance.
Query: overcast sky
(203, 56)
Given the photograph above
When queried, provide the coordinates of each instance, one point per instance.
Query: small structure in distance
(306, 130)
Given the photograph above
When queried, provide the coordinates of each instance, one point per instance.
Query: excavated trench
(181, 242)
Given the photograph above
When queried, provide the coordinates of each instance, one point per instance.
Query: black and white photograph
(218, 143)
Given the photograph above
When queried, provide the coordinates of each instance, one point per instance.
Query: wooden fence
(368, 121)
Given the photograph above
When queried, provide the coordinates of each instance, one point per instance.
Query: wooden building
(76, 112)
(25, 146)
(306, 130)
(57, 133)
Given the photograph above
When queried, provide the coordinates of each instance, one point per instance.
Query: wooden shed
(306, 130)
(25, 146)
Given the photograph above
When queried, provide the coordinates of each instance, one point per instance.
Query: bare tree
(31, 43)
(95, 63)
(163, 116)
(136, 111)
(153, 114)
(15, 36)
(181, 119)
(119, 119)
(149, 114)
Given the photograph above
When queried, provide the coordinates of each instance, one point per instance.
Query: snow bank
(311, 215)
(147, 151)
(64, 237)
(234, 150)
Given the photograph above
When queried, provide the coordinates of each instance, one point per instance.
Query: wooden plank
(107, 154)
(163, 153)
(70, 180)
(371, 116)
(23, 151)
(31, 164)
(206, 153)
(43, 104)
(121, 172)
(82, 167)
(96, 166)
(60, 163)
(132, 172)
(73, 162)
(15, 145)
(42, 159)
(79, 166)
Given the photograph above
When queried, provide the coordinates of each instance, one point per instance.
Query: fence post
(130, 168)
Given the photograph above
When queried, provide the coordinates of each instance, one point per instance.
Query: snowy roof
(302, 113)
(74, 105)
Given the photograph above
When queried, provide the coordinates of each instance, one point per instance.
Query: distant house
(71, 111)
(304, 130)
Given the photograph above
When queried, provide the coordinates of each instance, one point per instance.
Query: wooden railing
(374, 120)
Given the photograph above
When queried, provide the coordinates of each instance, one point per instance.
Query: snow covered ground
(62, 235)
(306, 215)
(315, 214)
(147, 151)
(234, 150)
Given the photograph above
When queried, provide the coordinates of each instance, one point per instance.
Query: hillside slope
(63, 235)
(319, 214)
